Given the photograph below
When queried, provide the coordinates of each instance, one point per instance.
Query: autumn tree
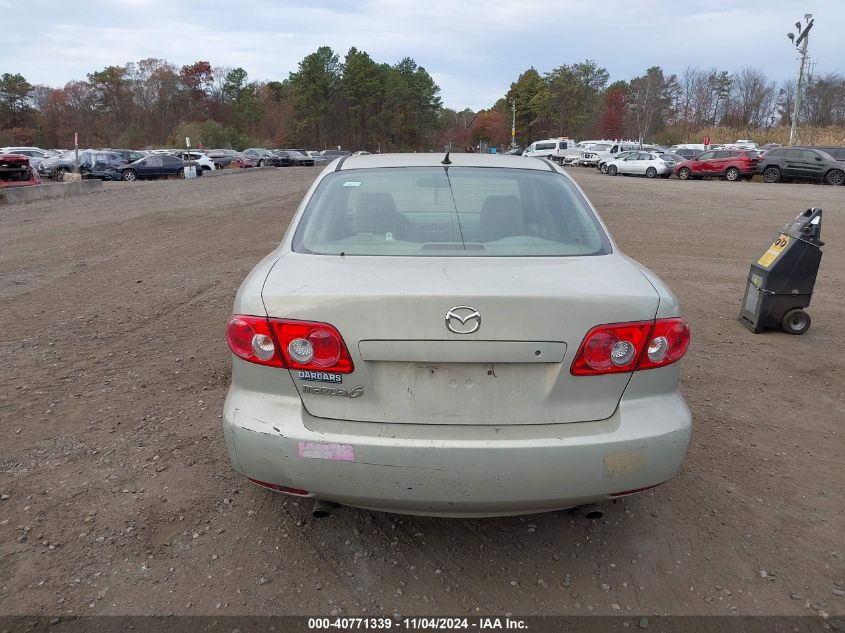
(612, 124)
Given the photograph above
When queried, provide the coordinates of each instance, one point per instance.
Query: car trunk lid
(412, 368)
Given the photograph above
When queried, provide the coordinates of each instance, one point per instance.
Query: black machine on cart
(780, 283)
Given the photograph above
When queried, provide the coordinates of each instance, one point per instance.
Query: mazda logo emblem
(463, 320)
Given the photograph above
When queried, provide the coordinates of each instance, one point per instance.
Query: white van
(605, 151)
(553, 148)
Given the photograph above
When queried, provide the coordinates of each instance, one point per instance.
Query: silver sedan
(649, 164)
(453, 336)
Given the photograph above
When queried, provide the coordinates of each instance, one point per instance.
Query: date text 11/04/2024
(417, 623)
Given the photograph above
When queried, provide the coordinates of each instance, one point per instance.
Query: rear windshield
(462, 211)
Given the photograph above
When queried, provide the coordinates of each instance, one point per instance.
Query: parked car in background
(675, 158)
(157, 166)
(286, 158)
(605, 160)
(597, 154)
(686, 152)
(93, 164)
(226, 157)
(552, 148)
(347, 345)
(731, 164)
(331, 154)
(837, 152)
(742, 143)
(16, 171)
(262, 157)
(801, 163)
(319, 159)
(35, 154)
(129, 155)
(648, 164)
(296, 158)
(205, 162)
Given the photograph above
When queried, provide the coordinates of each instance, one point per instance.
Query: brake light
(311, 345)
(291, 344)
(626, 347)
(668, 342)
(251, 339)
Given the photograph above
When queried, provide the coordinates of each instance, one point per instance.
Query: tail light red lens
(668, 342)
(309, 345)
(626, 347)
(251, 339)
(291, 344)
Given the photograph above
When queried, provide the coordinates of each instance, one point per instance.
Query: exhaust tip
(322, 509)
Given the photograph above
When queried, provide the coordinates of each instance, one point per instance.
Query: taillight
(251, 339)
(291, 344)
(626, 347)
(310, 345)
(668, 342)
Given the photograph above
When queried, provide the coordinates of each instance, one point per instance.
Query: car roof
(434, 159)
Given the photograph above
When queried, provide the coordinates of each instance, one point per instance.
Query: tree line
(358, 103)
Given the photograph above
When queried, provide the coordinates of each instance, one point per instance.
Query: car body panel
(456, 470)
(396, 298)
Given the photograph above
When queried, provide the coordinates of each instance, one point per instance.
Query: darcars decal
(320, 376)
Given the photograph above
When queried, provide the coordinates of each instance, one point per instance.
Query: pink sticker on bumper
(337, 452)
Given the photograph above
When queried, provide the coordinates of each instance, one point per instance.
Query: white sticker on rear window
(352, 183)
(336, 452)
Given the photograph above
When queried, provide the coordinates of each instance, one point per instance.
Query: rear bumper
(455, 470)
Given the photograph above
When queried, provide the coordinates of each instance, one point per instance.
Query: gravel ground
(118, 498)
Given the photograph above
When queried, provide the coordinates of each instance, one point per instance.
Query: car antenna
(446, 160)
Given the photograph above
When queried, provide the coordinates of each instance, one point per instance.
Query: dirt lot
(113, 370)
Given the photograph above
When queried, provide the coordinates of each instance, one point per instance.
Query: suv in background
(837, 152)
(801, 163)
(732, 164)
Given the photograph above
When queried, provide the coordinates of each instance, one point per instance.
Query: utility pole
(513, 124)
(801, 44)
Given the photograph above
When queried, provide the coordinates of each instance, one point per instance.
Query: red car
(732, 164)
(15, 171)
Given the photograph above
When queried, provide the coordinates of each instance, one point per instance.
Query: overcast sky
(474, 49)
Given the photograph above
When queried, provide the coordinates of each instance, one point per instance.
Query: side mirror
(819, 158)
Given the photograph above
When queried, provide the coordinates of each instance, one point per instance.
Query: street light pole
(800, 43)
(513, 124)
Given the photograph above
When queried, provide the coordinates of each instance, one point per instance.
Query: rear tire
(261, 163)
(651, 172)
(684, 173)
(612, 170)
(181, 173)
(59, 173)
(835, 177)
(771, 174)
(732, 174)
(795, 321)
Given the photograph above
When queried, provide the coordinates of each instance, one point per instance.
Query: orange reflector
(291, 491)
